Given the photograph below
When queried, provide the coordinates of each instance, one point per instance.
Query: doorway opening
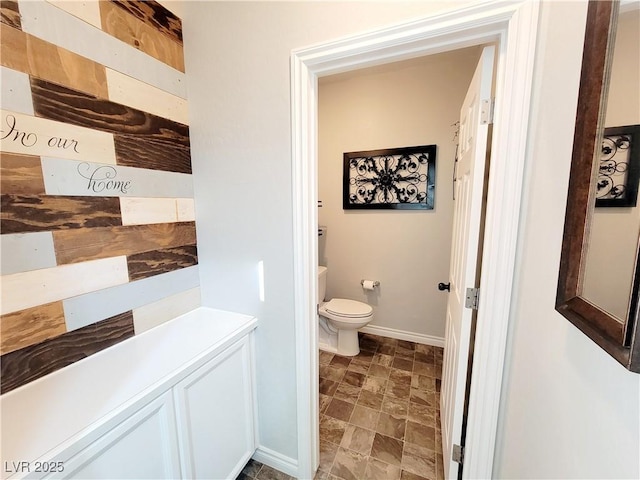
(513, 27)
(401, 104)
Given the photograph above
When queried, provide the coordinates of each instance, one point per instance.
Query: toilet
(340, 320)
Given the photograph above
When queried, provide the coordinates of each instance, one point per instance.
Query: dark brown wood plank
(151, 153)
(27, 364)
(21, 174)
(154, 15)
(10, 14)
(156, 262)
(141, 136)
(36, 213)
(93, 243)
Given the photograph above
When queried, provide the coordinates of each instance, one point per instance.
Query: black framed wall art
(619, 169)
(393, 178)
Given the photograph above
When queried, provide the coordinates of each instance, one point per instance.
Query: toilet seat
(345, 309)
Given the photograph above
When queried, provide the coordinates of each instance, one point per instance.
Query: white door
(468, 188)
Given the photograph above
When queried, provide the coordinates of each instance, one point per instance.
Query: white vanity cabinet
(215, 416)
(144, 445)
(175, 402)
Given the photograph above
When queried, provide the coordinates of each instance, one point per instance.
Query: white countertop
(55, 409)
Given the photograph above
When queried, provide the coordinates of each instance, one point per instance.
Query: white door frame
(513, 25)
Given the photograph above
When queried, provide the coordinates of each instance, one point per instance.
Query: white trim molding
(276, 460)
(513, 26)
(404, 335)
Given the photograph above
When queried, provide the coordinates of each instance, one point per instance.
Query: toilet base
(343, 342)
(348, 344)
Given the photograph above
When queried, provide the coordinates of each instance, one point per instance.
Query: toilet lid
(348, 308)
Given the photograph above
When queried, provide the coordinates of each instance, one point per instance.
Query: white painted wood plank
(87, 11)
(30, 135)
(15, 91)
(28, 289)
(143, 211)
(72, 178)
(127, 90)
(49, 23)
(87, 309)
(157, 313)
(22, 252)
(186, 209)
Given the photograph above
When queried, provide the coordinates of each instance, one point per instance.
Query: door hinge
(486, 111)
(471, 299)
(458, 454)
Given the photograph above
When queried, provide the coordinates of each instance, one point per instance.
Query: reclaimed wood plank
(27, 364)
(10, 13)
(53, 25)
(126, 27)
(156, 262)
(38, 58)
(15, 91)
(141, 139)
(128, 91)
(186, 209)
(21, 174)
(89, 308)
(31, 326)
(174, 6)
(68, 177)
(141, 211)
(29, 135)
(90, 243)
(22, 252)
(157, 313)
(86, 11)
(37, 287)
(13, 48)
(152, 153)
(155, 15)
(37, 213)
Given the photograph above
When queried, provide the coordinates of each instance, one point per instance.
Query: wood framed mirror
(603, 304)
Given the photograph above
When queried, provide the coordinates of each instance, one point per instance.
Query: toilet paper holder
(376, 283)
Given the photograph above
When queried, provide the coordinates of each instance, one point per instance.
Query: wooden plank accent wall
(86, 244)
(32, 325)
(152, 263)
(141, 139)
(10, 13)
(84, 125)
(154, 15)
(121, 24)
(28, 54)
(21, 174)
(32, 362)
(38, 213)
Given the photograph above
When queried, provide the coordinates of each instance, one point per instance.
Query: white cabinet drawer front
(142, 446)
(214, 410)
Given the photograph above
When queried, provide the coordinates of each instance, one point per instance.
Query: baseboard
(276, 460)
(403, 335)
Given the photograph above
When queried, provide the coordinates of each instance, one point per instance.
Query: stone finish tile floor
(254, 470)
(379, 412)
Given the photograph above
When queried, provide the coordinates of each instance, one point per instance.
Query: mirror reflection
(615, 230)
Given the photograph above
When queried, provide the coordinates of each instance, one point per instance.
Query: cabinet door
(215, 415)
(142, 446)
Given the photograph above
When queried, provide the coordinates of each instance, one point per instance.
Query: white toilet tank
(322, 283)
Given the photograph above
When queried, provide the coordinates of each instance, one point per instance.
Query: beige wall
(408, 103)
(568, 409)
